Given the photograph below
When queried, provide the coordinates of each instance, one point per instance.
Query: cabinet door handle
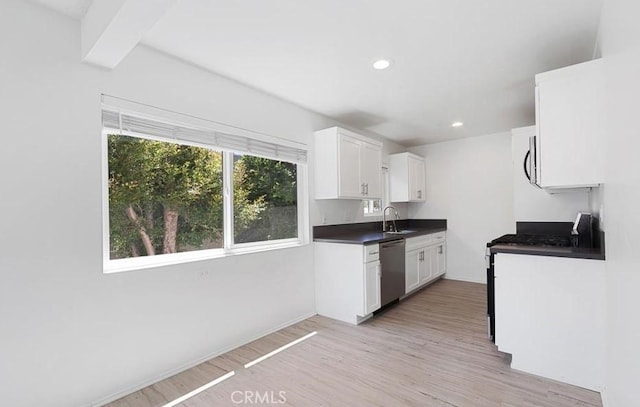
(419, 194)
(362, 188)
(366, 189)
(439, 249)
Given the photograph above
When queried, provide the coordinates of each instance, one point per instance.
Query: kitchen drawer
(425, 240)
(416, 242)
(371, 253)
(438, 237)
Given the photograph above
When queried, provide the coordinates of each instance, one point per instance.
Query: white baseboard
(603, 396)
(462, 278)
(145, 383)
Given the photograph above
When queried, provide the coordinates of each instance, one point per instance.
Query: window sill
(148, 262)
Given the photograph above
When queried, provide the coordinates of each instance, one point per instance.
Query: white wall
(620, 34)
(69, 334)
(533, 204)
(470, 183)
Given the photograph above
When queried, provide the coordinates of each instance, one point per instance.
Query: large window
(265, 197)
(163, 197)
(179, 198)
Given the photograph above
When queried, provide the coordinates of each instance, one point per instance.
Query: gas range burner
(533, 240)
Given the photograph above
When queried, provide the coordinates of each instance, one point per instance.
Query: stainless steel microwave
(530, 162)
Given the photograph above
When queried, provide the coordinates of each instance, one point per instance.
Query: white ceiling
(73, 8)
(467, 60)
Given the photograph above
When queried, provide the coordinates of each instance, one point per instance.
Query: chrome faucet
(384, 219)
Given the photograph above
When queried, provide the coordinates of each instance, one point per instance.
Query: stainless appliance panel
(531, 162)
(392, 281)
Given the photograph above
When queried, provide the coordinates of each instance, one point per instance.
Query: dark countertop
(571, 252)
(376, 237)
(370, 232)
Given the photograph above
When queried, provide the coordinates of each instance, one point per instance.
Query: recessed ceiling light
(381, 64)
(456, 124)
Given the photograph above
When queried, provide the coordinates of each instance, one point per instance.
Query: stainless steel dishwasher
(392, 284)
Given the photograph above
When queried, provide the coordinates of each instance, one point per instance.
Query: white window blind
(125, 117)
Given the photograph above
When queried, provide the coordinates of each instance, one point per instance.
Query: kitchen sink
(400, 232)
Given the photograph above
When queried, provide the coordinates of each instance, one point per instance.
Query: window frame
(229, 248)
(370, 206)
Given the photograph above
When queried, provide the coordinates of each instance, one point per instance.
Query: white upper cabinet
(347, 165)
(407, 178)
(417, 183)
(348, 168)
(371, 169)
(570, 126)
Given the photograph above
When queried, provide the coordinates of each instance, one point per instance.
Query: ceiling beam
(112, 28)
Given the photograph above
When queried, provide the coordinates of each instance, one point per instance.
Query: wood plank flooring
(429, 350)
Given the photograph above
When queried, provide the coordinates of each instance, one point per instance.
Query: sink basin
(400, 232)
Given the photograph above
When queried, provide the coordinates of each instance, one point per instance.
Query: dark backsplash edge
(544, 228)
(560, 228)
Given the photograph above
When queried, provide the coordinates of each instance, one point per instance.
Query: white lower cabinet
(372, 274)
(425, 260)
(550, 315)
(347, 278)
(441, 259)
(412, 269)
(425, 270)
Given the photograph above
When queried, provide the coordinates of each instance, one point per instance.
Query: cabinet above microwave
(568, 148)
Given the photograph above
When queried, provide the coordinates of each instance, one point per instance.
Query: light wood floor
(430, 350)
